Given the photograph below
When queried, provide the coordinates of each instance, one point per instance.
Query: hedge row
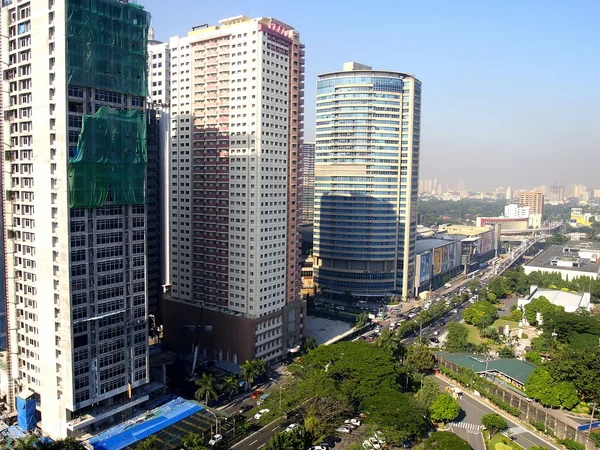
(465, 377)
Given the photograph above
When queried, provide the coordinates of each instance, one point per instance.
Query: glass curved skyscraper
(366, 181)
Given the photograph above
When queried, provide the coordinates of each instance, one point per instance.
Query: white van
(447, 285)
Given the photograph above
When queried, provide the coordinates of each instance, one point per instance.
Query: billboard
(446, 258)
(437, 261)
(487, 242)
(425, 269)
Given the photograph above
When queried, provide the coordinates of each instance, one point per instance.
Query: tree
(457, 339)
(429, 392)
(207, 388)
(444, 408)
(291, 440)
(193, 441)
(540, 305)
(481, 314)
(231, 385)
(147, 444)
(579, 366)
(506, 352)
(252, 370)
(475, 285)
(391, 342)
(361, 320)
(566, 394)
(533, 358)
(309, 343)
(419, 359)
(444, 440)
(494, 423)
(26, 443)
(395, 411)
(543, 387)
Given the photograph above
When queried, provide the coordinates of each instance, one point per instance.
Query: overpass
(516, 255)
(521, 235)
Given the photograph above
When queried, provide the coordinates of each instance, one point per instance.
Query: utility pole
(421, 331)
(592, 418)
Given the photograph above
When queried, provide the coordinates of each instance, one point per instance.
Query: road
(259, 439)
(468, 424)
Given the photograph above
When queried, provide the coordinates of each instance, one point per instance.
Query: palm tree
(193, 441)
(310, 343)
(248, 372)
(206, 388)
(231, 385)
(27, 443)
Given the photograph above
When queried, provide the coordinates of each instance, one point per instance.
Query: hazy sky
(511, 89)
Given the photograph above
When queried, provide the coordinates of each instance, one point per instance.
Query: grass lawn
(474, 337)
(503, 322)
(499, 439)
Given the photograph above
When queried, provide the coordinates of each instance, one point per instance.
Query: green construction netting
(110, 157)
(107, 45)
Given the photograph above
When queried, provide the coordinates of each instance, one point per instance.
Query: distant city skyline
(496, 111)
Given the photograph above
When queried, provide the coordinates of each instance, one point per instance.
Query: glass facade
(366, 176)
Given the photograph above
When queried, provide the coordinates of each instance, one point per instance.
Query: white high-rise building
(236, 122)
(74, 161)
(514, 211)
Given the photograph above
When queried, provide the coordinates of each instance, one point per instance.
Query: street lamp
(280, 392)
(216, 420)
(592, 418)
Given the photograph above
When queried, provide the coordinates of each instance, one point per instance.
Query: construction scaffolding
(107, 45)
(110, 158)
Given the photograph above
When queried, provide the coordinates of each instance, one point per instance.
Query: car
(343, 430)
(245, 409)
(502, 309)
(333, 438)
(436, 332)
(317, 447)
(257, 393)
(291, 427)
(261, 413)
(215, 439)
(455, 311)
(354, 422)
(375, 442)
(327, 444)
(434, 340)
(380, 437)
(411, 315)
(349, 425)
(367, 444)
(362, 415)
(442, 323)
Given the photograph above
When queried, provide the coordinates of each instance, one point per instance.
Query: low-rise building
(574, 259)
(437, 260)
(478, 244)
(570, 301)
(507, 223)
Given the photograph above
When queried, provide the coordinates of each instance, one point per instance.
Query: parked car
(245, 409)
(346, 430)
(434, 340)
(354, 422)
(215, 439)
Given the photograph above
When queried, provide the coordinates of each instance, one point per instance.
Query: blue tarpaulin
(26, 413)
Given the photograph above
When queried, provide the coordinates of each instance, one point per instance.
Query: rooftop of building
(568, 253)
(462, 229)
(570, 301)
(511, 368)
(352, 68)
(169, 423)
(424, 245)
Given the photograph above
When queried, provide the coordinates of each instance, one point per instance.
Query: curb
(504, 414)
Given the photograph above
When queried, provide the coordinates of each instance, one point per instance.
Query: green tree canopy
(392, 343)
(540, 305)
(207, 388)
(580, 367)
(506, 352)
(444, 408)
(457, 338)
(391, 409)
(444, 440)
(429, 392)
(533, 358)
(481, 314)
(419, 359)
(494, 423)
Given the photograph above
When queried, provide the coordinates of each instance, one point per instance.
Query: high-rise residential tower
(308, 182)
(366, 180)
(533, 199)
(74, 162)
(236, 112)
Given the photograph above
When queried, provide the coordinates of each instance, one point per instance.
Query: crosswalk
(468, 426)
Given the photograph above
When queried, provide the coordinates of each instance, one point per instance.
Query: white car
(344, 430)
(375, 443)
(215, 439)
(261, 413)
(436, 332)
(291, 427)
(380, 437)
(354, 422)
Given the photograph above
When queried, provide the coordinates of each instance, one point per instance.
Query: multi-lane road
(468, 425)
